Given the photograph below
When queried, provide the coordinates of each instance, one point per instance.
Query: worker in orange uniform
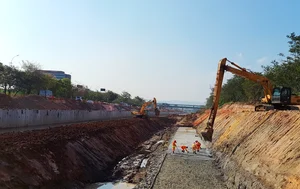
(198, 145)
(194, 148)
(174, 146)
(184, 149)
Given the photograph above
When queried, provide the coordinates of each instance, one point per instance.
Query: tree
(233, 90)
(209, 100)
(253, 91)
(126, 95)
(294, 46)
(62, 88)
(8, 77)
(138, 101)
(33, 79)
(110, 96)
(286, 72)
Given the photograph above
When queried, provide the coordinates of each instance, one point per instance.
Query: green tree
(110, 96)
(8, 77)
(138, 101)
(62, 88)
(126, 96)
(253, 91)
(294, 46)
(33, 79)
(286, 72)
(209, 100)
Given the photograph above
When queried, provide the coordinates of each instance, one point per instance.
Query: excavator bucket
(207, 134)
(157, 112)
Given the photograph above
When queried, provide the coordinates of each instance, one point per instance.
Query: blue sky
(166, 49)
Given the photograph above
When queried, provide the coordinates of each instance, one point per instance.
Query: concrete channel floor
(188, 170)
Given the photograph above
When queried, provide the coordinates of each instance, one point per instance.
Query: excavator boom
(142, 112)
(222, 67)
(207, 134)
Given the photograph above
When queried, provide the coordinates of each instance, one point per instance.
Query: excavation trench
(78, 155)
(139, 169)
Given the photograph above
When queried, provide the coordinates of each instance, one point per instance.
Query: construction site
(149, 94)
(248, 148)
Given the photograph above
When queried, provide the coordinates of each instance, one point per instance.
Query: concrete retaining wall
(22, 118)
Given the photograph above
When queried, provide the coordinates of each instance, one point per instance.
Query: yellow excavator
(143, 113)
(280, 98)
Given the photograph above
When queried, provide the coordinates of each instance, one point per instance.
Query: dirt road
(188, 170)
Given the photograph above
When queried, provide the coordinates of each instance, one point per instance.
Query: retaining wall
(22, 118)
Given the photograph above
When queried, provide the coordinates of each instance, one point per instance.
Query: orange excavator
(143, 113)
(280, 98)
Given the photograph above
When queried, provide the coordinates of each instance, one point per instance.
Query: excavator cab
(281, 95)
(276, 95)
(283, 99)
(285, 96)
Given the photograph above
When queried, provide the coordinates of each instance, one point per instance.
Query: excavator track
(268, 107)
(264, 107)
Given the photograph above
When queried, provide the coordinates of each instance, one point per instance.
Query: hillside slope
(257, 149)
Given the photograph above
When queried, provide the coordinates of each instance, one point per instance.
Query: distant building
(57, 74)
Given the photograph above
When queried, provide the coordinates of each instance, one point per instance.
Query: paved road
(188, 170)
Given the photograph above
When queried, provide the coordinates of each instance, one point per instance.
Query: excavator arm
(237, 70)
(157, 112)
(142, 112)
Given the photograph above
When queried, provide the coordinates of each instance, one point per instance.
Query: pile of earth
(187, 120)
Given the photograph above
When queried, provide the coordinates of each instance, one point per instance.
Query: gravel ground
(188, 172)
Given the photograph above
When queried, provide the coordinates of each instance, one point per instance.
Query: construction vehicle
(143, 113)
(280, 98)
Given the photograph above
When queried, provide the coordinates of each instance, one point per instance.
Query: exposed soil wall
(257, 149)
(72, 155)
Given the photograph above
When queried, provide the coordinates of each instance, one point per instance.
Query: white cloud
(262, 60)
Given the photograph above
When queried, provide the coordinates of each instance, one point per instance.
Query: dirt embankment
(257, 149)
(187, 120)
(72, 155)
(42, 103)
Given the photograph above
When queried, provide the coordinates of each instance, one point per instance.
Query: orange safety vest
(174, 144)
(183, 147)
(194, 147)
